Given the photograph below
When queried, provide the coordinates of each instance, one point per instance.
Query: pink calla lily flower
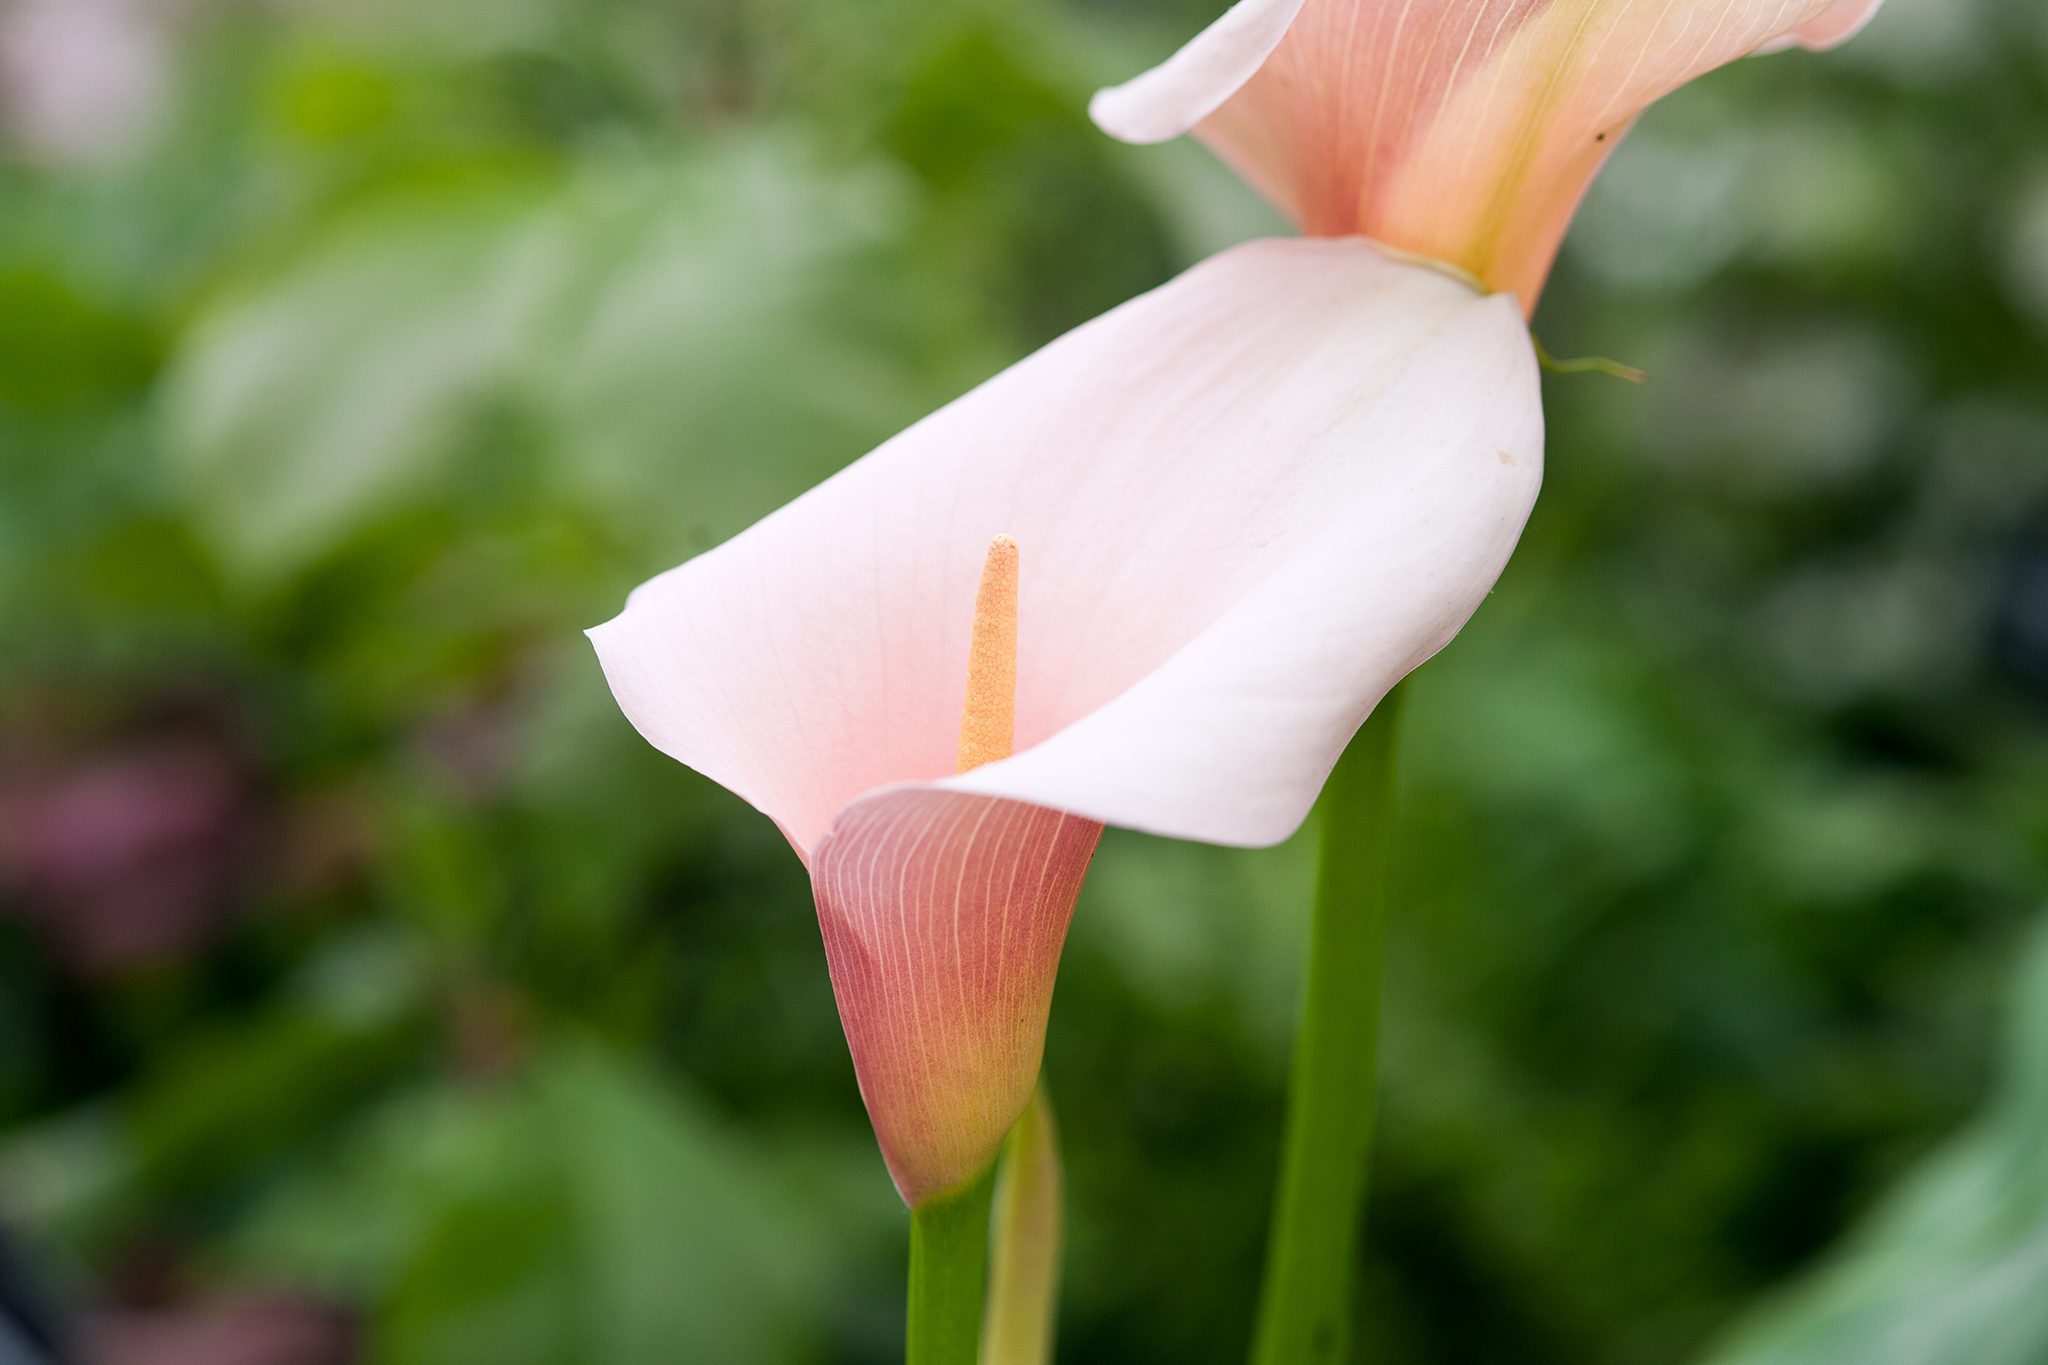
(1462, 130)
(1244, 506)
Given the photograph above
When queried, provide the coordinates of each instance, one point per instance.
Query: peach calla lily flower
(1462, 130)
(1243, 506)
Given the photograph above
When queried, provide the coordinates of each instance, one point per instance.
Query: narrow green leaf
(1024, 1278)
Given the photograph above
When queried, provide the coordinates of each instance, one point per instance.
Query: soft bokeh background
(369, 992)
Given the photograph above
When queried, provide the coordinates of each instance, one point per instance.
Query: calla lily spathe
(1248, 503)
(1462, 130)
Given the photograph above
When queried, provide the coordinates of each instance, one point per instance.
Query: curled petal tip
(1173, 97)
(1831, 29)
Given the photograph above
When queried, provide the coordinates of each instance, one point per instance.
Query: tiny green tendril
(1588, 364)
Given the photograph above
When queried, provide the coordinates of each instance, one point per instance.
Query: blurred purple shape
(127, 857)
(80, 80)
(270, 1330)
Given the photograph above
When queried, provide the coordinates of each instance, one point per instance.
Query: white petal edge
(1193, 83)
(1837, 26)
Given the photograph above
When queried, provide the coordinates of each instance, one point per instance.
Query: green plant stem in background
(948, 1273)
(1305, 1305)
(1024, 1277)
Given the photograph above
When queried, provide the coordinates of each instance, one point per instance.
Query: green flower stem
(948, 1273)
(1305, 1313)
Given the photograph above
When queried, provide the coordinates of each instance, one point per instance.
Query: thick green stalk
(948, 1274)
(1305, 1310)
(1024, 1277)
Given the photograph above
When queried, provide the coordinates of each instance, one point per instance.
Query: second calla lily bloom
(1462, 130)
(1230, 514)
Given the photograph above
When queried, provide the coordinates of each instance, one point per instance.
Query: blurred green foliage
(1950, 1265)
(404, 339)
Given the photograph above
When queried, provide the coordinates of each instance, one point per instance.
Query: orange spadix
(988, 720)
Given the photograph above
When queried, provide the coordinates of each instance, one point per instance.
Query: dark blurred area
(370, 993)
